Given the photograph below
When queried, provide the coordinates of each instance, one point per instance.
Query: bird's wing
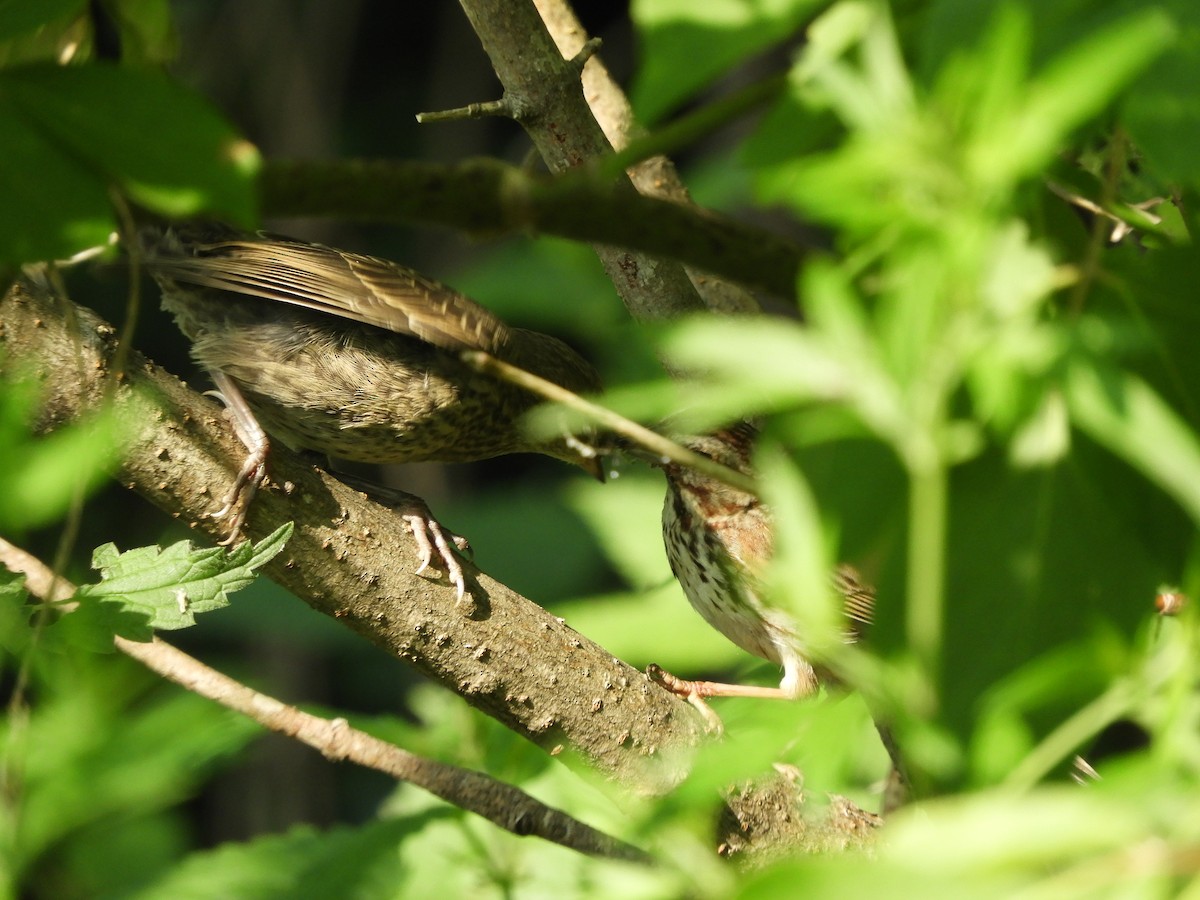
(858, 599)
(360, 288)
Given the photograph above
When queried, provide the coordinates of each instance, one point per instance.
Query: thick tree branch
(544, 91)
(488, 197)
(656, 176)
(502, 804)
(353, 559)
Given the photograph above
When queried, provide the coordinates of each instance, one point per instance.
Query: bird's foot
(691, 691)
(430, 536)
(437, 546)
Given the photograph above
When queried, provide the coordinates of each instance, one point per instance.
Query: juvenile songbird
(719, 540)
(353, 357)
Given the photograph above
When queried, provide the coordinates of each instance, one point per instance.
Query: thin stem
(485, 109)
(1063, 740)
(614, 422)
(926, 567)
(503, 804)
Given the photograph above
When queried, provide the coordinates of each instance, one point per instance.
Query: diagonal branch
(489, 197)
(544, 91)
(502, 804)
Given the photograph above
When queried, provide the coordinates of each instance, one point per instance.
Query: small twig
(487, 108)
(614, 422)
(589, 49)
(687, 130)
(504, 805)
(1121, 227)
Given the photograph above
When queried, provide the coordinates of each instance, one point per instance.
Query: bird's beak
(597, 467)
(589, 457)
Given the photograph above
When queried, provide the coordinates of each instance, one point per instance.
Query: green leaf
(1124, 414)
(615, 515)
(165, 145)
(166, 588)
(15, 633)
(1067, 92)
(1163, 113)
(799, 573)
(103, 746)
(68, 133)
(753, 364)
(685, 45)
(53, 206)
(40, 477)
(341, 862)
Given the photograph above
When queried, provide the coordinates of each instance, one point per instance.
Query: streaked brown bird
(719, 540)
(353, 357)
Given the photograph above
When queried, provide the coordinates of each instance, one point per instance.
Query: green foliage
(359, 862)
(40, 477)
(98, 764)
(685, 46)
(989, 403)
(17, 19)
(93, 770)
(89, 128)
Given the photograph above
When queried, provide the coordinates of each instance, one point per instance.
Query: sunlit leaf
(1068, 91)
(167, 587)
(686, 45)
(83, 129)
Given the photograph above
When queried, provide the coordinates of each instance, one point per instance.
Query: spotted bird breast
(713, 556)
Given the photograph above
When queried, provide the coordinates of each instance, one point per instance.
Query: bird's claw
(245, 486)
(691, 692)
(430, 536)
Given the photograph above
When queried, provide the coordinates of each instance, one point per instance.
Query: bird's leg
(685, 688)
(428, 533)
(254, 468)
(695, 692)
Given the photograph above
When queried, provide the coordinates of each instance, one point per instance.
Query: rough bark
(352, 558)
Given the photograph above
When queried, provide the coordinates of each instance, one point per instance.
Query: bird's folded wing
(359, 288)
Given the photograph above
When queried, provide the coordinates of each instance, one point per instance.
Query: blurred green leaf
(1129, 418)
(15, 633)
(62, 211)
(305, 862)
(164, 145)
(84, 128)
(1163, 114)
(798, 579)
(1013, 143)
(40, 477)
(98, 748)
(624, 517)
(547, 558)
(659, 626)
(687, 45)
